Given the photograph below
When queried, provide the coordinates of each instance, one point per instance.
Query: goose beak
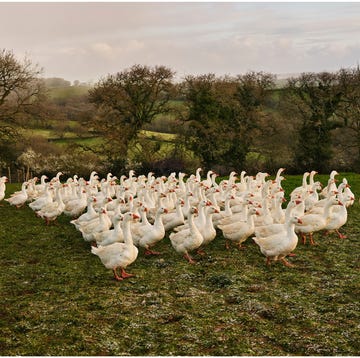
(135, 216)
(299, 221)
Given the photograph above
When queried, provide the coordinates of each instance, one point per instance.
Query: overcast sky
(88, 40)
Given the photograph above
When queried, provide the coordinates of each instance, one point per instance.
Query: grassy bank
(58, 299)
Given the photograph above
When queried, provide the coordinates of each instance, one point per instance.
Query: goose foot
(241, 247)
(287, 263)
(268, 261)
(116, 276)
(189, 259)
(150, 252)
(125, 274)
(291, 254)
(312, 242)
(341, 236)
(303, 237)
(201, 252)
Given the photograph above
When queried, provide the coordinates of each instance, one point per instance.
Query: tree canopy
(128, 100)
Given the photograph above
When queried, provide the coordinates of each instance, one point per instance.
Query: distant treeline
(245, 122)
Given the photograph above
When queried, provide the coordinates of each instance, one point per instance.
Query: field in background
(58, 299)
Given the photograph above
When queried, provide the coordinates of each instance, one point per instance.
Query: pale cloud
(89, 40)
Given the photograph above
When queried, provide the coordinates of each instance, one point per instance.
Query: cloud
(88, 40)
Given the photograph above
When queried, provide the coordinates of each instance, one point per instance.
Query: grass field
(58, 299)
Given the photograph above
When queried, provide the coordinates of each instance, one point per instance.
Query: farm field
(58, 299)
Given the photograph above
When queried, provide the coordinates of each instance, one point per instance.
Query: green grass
(58, 299)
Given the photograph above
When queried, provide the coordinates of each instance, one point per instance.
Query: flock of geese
(119, 216)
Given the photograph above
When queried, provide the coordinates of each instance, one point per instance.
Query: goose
(147, 237)
(119, 255)
(42, 200)
(238, 232)
(188, 240)
(303, 187)
(315, 222)
(240, 215)
(338, 215)
(208, 182)
(111, 236)
(265, 217)
(199, 220)
(313, 196)
(75, 207)
(3, 181)
(319, 206)
(40, 188)
(51, 211)
(186, 207)
(89, 214)
(277, 212)
(267, 230)
(31, 190)
(337, 218)
(213, 196)
(56, 179)
(349, 197)
(242, 185)
(89, 230)
(171, 220)
(278, 246)
(331, 185)
(144, 222)
(208, 231)
(19, 198)
(222, 214)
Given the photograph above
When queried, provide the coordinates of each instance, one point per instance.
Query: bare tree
(125, 102)
(20, 86)
(20, 94)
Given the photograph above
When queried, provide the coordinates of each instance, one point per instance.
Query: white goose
(19, 198)
(111, 236)
(315, 222)
(171, 220)
(75, 207)
(51, 211)
(119, 255)
(238, 232)
(3, 181)
(338, 215)
(331, 185)
(208, 231)
(89, 230)
(349, 196)
(42, 200)
(89, 215)
(227, 212)
(40, 188)
(187, 240)
(147, 237)
(278, 246)
(275, 228)
(199, 220)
